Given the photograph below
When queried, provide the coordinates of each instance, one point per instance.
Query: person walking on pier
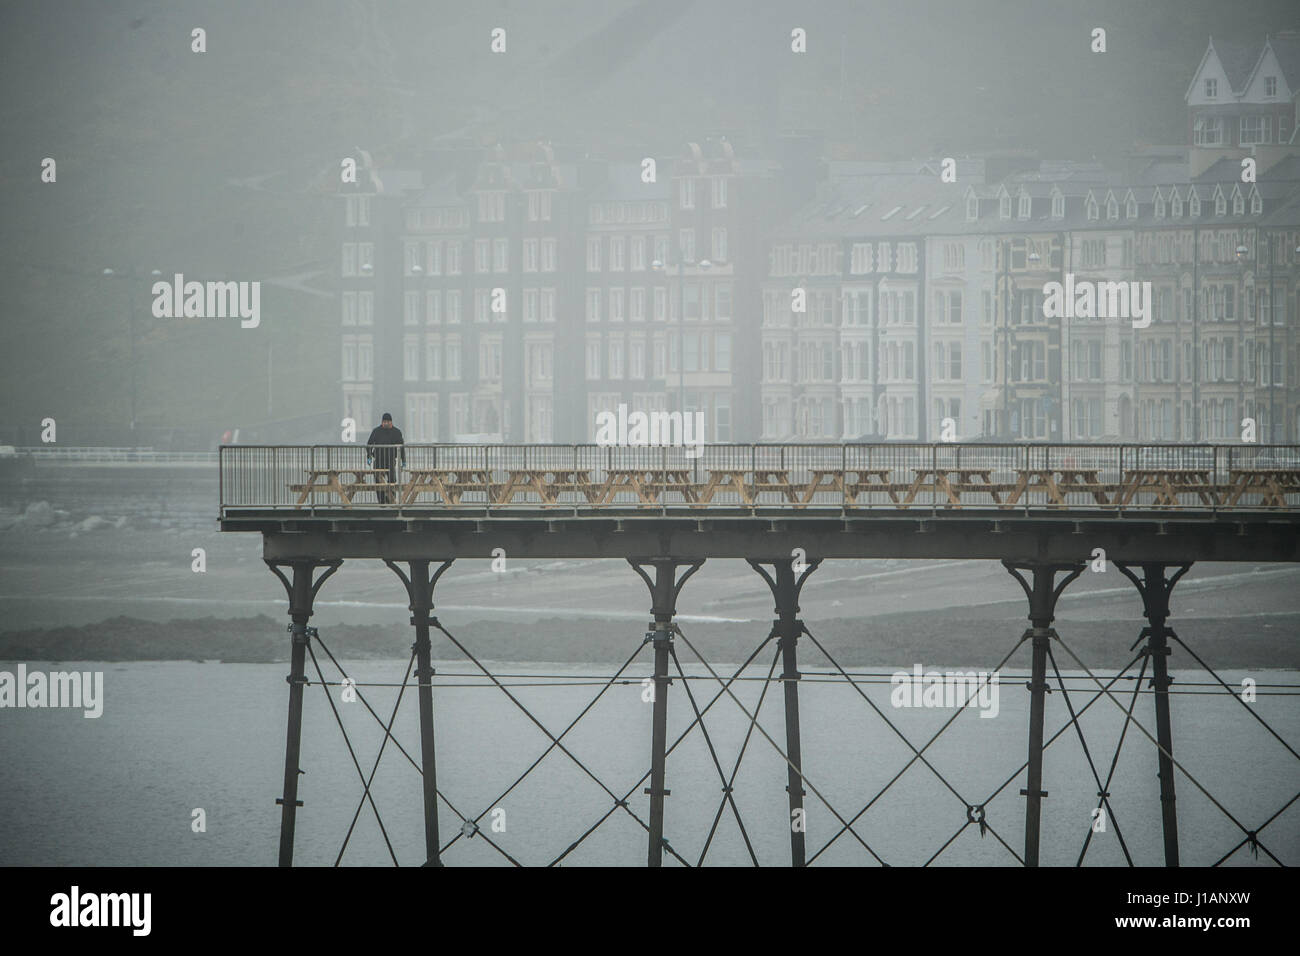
(383, 449)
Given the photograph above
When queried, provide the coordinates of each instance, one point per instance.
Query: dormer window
(1093, 212)
(1112, 208)
(1256, 204)
(1270, 86)
(1160, 207)
(1220, 205)
(972, 208)
(1177, 206)
(1238, 204)
(1131, 209)
(1058, 206)
(1024, 206)
(1194, 206)
(1211, 88)
(1004, 206)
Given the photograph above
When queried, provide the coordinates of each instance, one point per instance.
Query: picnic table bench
(448, 483)
(648, 484)
(764, 479)
(1167, 484)
(331, 481)
(1057, 483)
(548, 484)
(940, 480)
(1273, 482)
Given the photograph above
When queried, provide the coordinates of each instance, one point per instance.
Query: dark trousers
(384, 495)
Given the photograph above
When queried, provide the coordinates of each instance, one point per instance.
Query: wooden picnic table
(648, 484)
(764, 479)
(448, 483)
(938, 479)
(863, 480)
(331, 481)
(1168, 484)
(548, 483)
(1273, 482)
(1057, 482)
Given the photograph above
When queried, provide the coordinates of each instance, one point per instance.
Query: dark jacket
(383, 444)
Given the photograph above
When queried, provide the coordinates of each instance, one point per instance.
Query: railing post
(1043, 594)
(301, 591)
(664, 590)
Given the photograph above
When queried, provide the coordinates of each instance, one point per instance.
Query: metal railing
(766, 477)
(105, 455)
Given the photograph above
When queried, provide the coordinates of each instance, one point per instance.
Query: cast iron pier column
(1042, 594)
(1155, 589)
(663, 605)
(419, 589)
(786, 587)
(302, 593)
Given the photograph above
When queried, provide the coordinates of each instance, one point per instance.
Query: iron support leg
(419, 588)
(786, 587)
(1155, 590)
(1043, 595)
(663, 600)
(302, 593)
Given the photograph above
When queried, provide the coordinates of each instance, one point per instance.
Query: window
(593, 254)
(530, 305)
(548, 305)
(1025, 204)
(719, 192)
(972, 208)
(616, 305)
(365, 308)
(637, 307)
(636, 359)
(1208, 131)
(453, 258)
(722, 352)
(722, 301)
(411, 358)
(1112, 207)
(435, 258)
(1092, 208)
(411, 308)
(365, 358)
(593, 359)
(1270, 86)
(720, 244)
(349, 308)
(349, 358)
(489, 359)
(687, 193)
(1211, 88)
(531, 247)
(480, 305)
(432, 358)
(1256, 130)
(453, 306)
(638, 253)
(860, 258)
(1058, 206)
(349, 259)
(482, 247)
(548, 255)
(1004, 206)
(593, 305)
(452, 358)
(617, 249)
(615, 369)
(686, 242)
